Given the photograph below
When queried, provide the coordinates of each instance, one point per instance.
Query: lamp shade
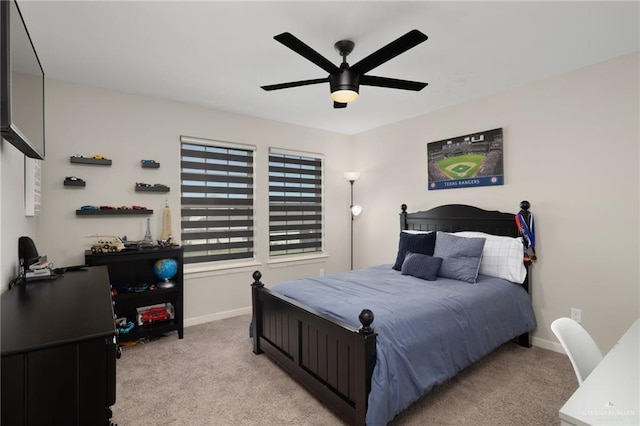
(351, 176)
(356, 210)
(344, 85)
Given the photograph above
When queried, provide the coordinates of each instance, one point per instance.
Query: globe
(165, 269)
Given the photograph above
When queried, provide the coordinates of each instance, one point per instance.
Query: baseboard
(188, 322)
(547, 344)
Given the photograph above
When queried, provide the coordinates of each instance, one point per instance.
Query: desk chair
(582, 350)
(27, 253)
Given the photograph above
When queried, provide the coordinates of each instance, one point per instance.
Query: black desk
(58, 351)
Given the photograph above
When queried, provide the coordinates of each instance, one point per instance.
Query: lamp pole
(351, 211)
(352, 177)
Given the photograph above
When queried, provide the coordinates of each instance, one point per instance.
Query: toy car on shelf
(107, 208)
(148, 161)
(107, 244)
(73, 179)
(138, 208)
(155, 313)
(99, 157)
(159, 185)
(138, 245)
(124, 208)
(142, 185)
(89, 207)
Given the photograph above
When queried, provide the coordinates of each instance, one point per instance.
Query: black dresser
(58, 351)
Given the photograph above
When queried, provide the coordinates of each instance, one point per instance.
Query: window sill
(297, 259)
(211, 269)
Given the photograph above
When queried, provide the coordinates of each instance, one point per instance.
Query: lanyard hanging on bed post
(526, 227)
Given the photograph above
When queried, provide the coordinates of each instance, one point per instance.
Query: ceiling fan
(346, 79)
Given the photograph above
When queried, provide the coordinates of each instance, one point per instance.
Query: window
(217, 200)
(295, 203)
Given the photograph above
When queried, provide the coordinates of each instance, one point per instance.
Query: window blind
(217, 201)
(295, 203)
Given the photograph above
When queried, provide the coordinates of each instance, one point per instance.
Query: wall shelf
(84, 160)
(76, 183)
(113, 212)
(152, 189)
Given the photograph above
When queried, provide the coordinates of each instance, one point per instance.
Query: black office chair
(27, 253)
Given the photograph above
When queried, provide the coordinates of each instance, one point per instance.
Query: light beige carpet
(211, 377)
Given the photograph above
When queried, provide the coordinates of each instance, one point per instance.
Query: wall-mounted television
(21, 84)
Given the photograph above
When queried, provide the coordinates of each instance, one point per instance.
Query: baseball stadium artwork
(466, 161)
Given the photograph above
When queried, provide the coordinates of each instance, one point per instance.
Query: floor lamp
(355, 210)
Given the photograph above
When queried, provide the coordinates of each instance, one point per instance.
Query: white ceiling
(218, 54)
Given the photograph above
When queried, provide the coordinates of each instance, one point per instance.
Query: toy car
(138, 208)
(148, 161)
(73, 179)
(99, 157)
(124, 208)
(140, 184)
(107, 208)
(88, 207)
(160, 185)
(154, 315)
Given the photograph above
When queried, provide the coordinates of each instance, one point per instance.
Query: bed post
(403, 218)
(256, 323)
(365, 350)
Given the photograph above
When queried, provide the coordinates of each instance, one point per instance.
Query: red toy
(154, 315)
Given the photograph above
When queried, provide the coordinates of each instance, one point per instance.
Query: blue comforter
(427, 330)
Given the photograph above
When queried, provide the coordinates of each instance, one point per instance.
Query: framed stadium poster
(464, 161)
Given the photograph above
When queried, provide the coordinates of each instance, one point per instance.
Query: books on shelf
(38, 274)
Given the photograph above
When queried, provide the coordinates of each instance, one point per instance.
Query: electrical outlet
(576, 315)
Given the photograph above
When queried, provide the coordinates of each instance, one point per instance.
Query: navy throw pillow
(414, 243)
(421, 266)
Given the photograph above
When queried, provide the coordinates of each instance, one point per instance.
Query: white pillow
(413, 231)
(502, 257)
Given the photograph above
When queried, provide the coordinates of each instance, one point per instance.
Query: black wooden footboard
(332, 360)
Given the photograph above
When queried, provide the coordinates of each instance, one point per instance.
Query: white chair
(582, 350)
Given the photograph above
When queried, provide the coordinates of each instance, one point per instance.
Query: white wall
(571, 149)
(126, 129)
(13, 222)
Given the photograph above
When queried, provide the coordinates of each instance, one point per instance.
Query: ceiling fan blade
(295, 84)
(302, 49)
(392, 83)
(339, 104)
(391, 50)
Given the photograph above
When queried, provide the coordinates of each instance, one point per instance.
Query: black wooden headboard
(459, 217)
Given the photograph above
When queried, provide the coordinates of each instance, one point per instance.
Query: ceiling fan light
(344, 96)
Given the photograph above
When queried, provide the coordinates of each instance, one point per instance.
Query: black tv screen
(21, 84)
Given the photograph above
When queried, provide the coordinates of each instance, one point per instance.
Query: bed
(382, 338)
